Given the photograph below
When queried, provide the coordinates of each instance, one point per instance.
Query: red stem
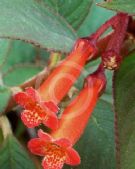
(117, 39)
(104, 27)
(111, 57)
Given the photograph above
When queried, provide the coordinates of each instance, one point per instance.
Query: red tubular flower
(36, 111)
(62, 78)
(76, 115)
(54, 88)
(57, 147)
(56, 152)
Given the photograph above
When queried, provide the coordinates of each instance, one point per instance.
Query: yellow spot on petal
(55, 156)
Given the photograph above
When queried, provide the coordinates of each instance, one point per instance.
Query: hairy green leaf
(19, 74)
(124, 99)
(13, 155)
(73, 11)
(4, 50)
(19, 53)
(95, 18)
(5, 94)
(32, 21)
(127, 6)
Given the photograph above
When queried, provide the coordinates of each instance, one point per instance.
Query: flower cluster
(41, 105)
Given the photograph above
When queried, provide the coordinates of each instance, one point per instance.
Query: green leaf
(13, 155)
(5, 94)
(24, 53)
(32, 21)
(4, 50)
(96, 146)
(73, 11)
(19, 53)
(127, 6)
(124, 99)
(95, 18)
(19, 74)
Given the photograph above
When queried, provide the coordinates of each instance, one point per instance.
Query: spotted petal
(49, 162)
(37, 146)
(73, 157)
(30, 119)
(44, 136)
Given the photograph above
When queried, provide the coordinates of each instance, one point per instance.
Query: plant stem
(117, 39)
(111, 57)
(104, 27)
(5, 126)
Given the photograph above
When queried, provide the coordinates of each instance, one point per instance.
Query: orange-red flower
(36, 111)
(54, 88)
(56, 152)
(56, 147)
(75, 117)
(62, 78)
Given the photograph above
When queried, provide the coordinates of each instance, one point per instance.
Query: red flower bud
(62, 78)
(75, 117)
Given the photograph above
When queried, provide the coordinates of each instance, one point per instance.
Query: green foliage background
(29, 30)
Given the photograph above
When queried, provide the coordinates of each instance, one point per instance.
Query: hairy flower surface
(57, 147)
(56, 152)
(65, 74)
(75, 117)
(36, 111)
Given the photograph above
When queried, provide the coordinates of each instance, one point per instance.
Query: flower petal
(50, 163)
(51, 122)
(33, 94)
(24, 100)
(44, 136)
(30, 119)
(51, 106)
(63, 142)
(73, 157)
(37, 146)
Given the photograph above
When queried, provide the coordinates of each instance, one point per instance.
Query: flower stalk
(111, 57)
(5, 126)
